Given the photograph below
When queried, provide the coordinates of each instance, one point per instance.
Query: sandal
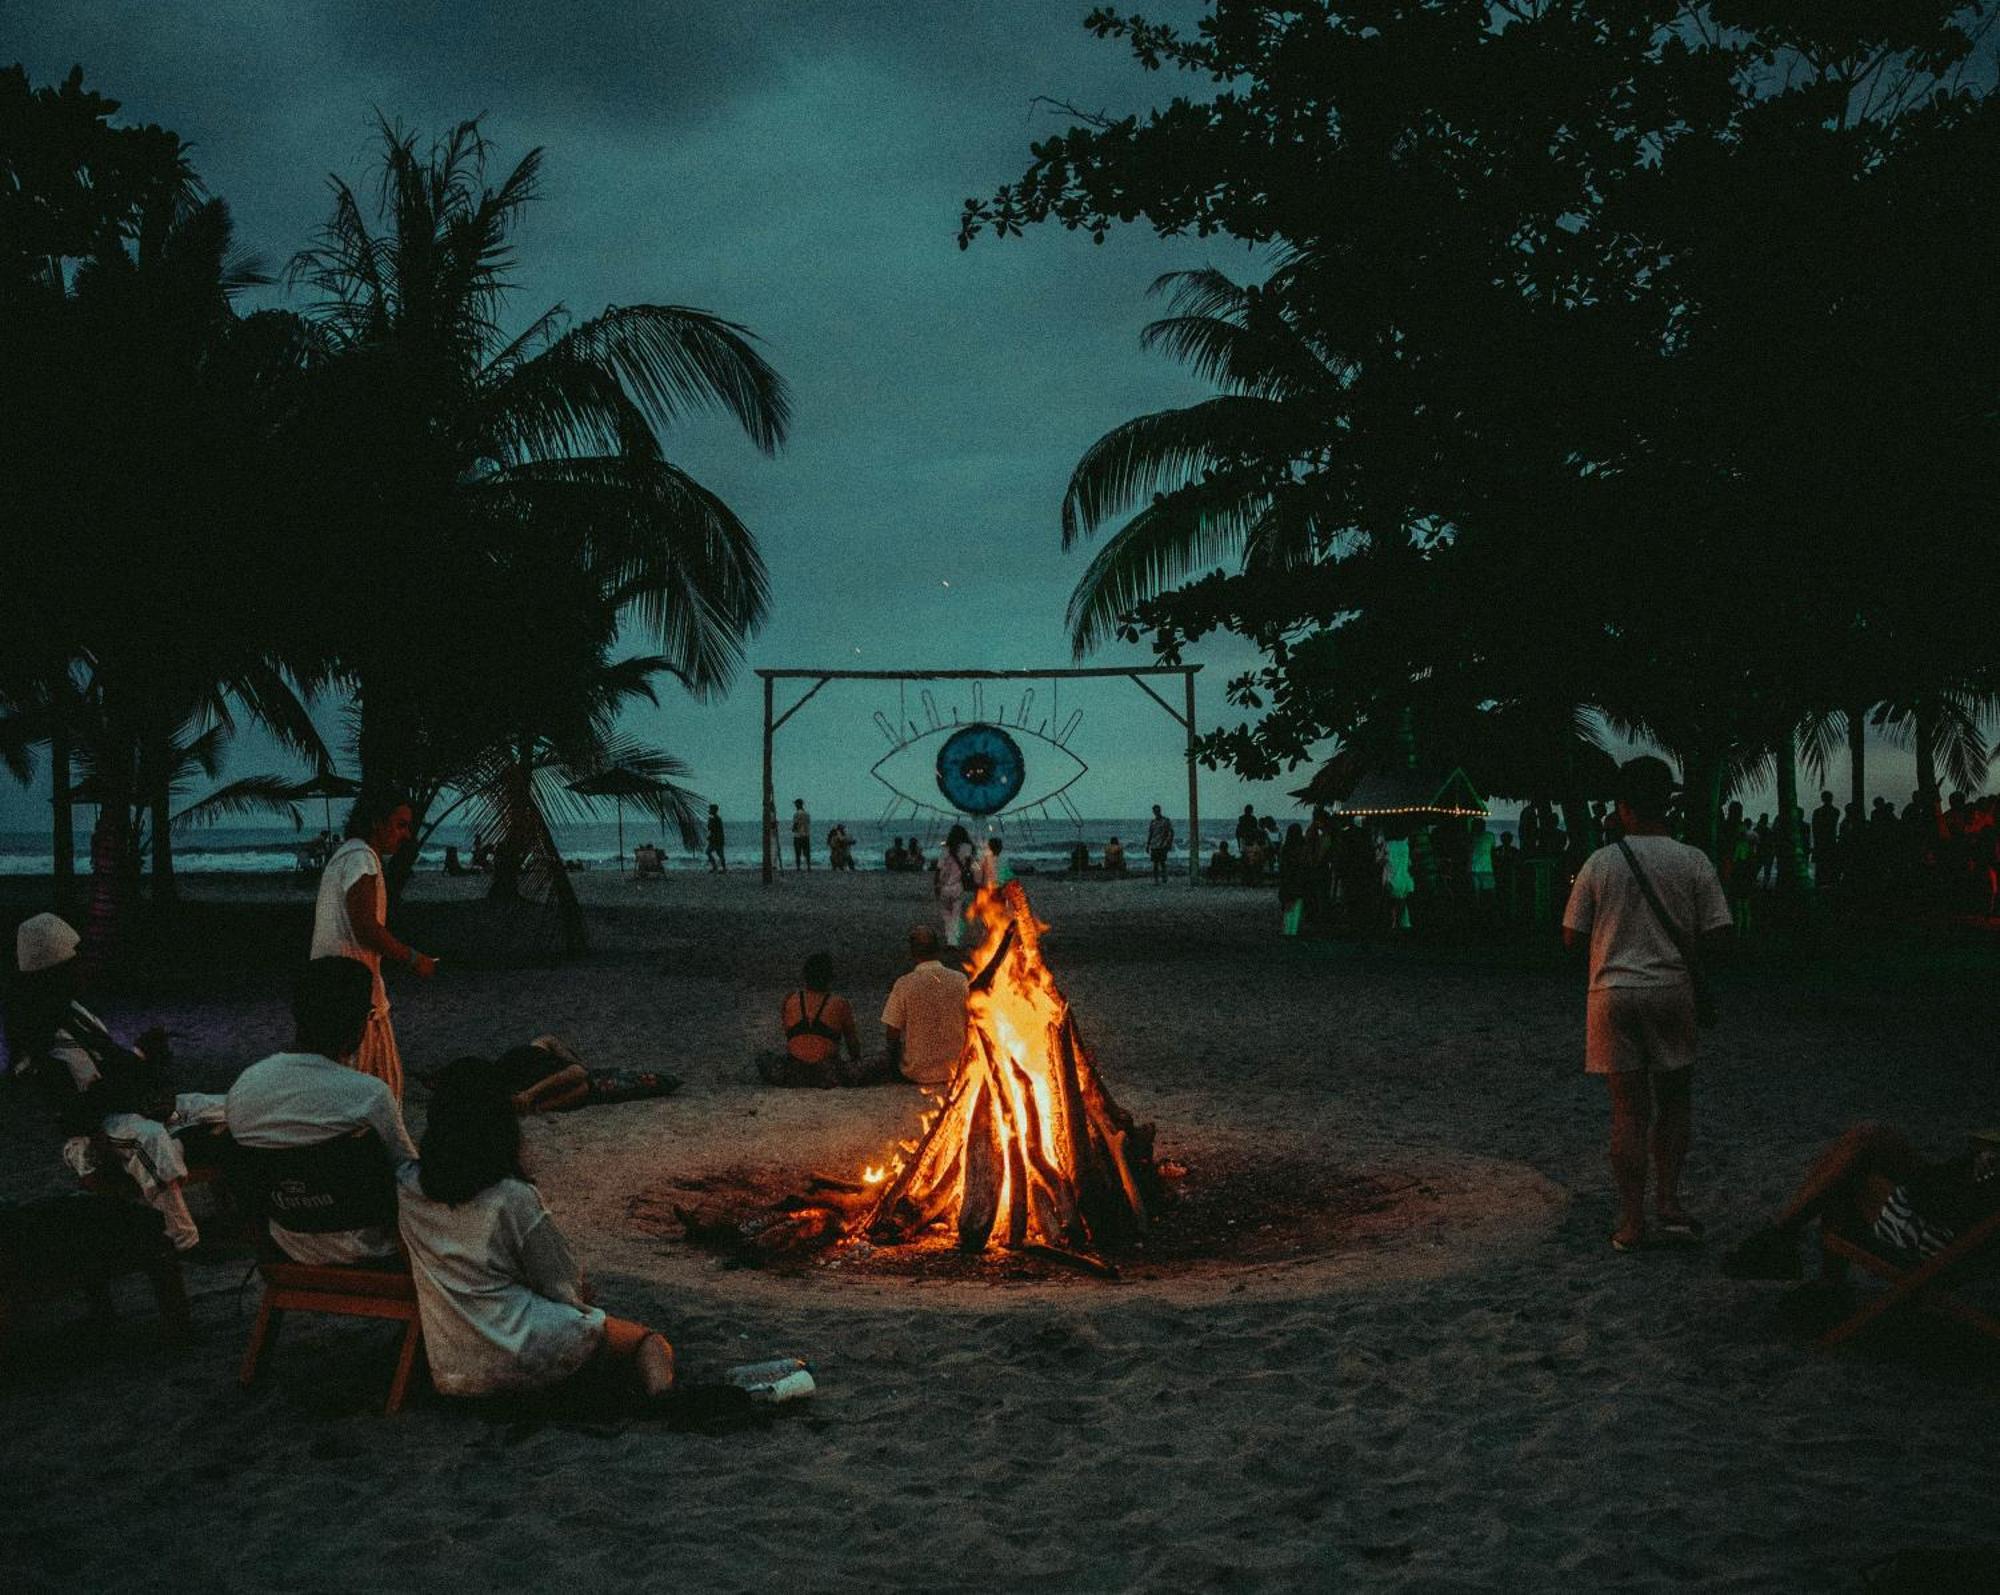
(1628, 1246)
(1685, 1231)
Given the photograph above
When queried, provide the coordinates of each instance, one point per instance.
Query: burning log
(1028, 1150)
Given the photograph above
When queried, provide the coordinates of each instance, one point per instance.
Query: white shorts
(1639, 1027)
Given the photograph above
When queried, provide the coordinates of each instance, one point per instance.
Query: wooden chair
(1926, 1284)
(341, 1184)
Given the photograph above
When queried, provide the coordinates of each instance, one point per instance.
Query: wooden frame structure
(1135, 673)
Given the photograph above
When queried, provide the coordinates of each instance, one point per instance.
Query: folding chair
(341, 1184)
(1924, 1285)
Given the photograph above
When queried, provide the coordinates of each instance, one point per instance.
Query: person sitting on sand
(503, 1303)
(924, 1018)
(916, 863)
(1114, 857)
(817, 1025)
(1221, 863)
(1873, 1184)
(314, 1094)
(896, 859)
(114, 1105)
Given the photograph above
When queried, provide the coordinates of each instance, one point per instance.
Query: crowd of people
(503, 1304)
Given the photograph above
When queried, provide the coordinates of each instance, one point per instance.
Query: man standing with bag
(1646, 906)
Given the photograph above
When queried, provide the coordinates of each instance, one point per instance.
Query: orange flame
(1009, 1077)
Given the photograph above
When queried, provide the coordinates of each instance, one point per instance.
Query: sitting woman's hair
(472, 1137)
(819, 972)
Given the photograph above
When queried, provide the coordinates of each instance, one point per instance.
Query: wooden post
(768, 817)
(1194, 795)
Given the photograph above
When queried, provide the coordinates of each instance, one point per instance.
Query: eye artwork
(981, 765)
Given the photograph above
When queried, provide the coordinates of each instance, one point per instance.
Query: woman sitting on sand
(503, 1303)
(817, 1025)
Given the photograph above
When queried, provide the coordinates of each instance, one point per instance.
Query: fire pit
(1026, 1150)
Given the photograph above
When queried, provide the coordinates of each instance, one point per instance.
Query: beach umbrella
(619, 785)
(326, 786)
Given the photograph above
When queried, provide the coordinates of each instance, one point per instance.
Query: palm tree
(448, 450)
(1230, 477)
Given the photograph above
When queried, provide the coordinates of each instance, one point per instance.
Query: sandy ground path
(1500, 1403)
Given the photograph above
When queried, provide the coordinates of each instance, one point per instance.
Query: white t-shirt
(928, 1006)
(497, 1288)
(294, 1099)
(1628, 947)
(333, 929)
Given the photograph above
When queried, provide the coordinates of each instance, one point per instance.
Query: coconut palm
(1233, 477)
(449, 450)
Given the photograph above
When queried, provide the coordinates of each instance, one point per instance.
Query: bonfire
(1027, 1149)
(1024, 1150)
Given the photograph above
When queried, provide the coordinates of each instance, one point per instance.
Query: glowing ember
(1026, 1149)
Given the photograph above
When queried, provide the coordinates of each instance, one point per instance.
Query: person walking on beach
(953, 882)
(1159, 842)
(802, 835)
(1644, 907)
(350, 920)
(717, 863)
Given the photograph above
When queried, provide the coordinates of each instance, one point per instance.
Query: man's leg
(1673, 1126)
(1631, 1115)
(1837, 1175)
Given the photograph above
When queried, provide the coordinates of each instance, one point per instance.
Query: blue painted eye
(980, 769)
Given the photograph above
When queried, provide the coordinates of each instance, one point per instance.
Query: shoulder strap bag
(1705, 1012)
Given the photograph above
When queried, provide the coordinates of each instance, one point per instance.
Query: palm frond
(1142, 456)
(671, 358)
(1180, 534)
(250, 794)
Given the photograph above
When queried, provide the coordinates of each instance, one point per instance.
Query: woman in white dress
(504, 1305)
(350, 920)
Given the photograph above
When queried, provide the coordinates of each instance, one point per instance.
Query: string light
(1422, 808)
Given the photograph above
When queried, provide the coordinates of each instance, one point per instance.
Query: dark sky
(797, 166)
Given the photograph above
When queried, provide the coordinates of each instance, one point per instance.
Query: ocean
(257, 850)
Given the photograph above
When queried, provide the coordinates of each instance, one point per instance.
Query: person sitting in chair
(312, 1095)
(1873, 1186)
(115, 1105)
(817, 1025)
(504, 1305)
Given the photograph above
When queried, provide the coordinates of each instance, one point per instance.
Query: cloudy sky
(797, 166)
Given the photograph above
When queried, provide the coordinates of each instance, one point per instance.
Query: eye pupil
(980, 769)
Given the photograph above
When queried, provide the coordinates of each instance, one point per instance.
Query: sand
(1461, 1389)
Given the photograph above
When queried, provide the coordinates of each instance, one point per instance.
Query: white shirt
(295, 1099)
(333, 928)
(497, 1288)
(928, 1007)
(1628, 947)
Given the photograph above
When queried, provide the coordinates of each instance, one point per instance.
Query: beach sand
(1457, 1386)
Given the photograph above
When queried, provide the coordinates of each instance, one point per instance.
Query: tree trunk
(1791, 859)
(510, 853)
(165, 889)
(110, 888)
(1857, 758)
(1701, 775)
(1925, 732)
(62, 827)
